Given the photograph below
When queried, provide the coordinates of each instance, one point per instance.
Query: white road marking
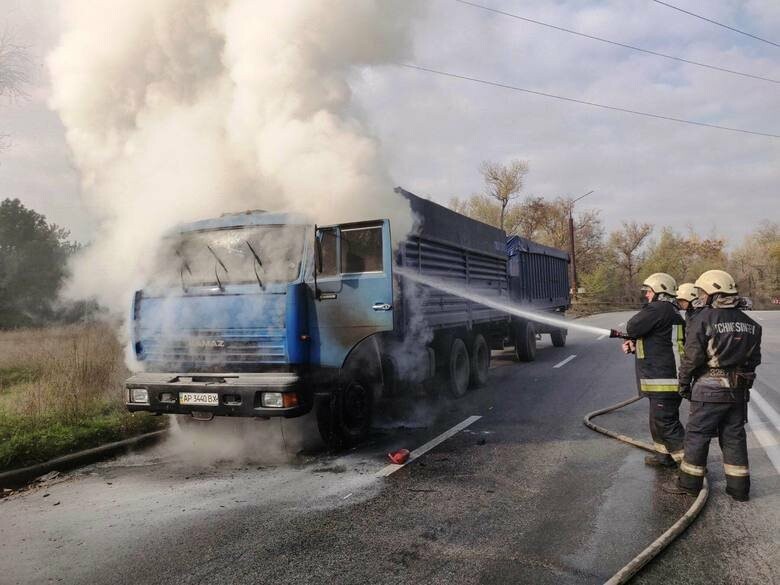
(564, 362)
(602, 336)
(392, 468)
(765, 439)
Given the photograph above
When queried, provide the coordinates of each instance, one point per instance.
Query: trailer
(538, 280)
(265, 315)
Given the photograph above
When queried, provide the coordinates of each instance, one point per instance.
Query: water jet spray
(505, 306)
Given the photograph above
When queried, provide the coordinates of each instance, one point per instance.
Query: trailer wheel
(558, 337)
(525, 341)
(458, 369)
(480, 361)
(345, 419)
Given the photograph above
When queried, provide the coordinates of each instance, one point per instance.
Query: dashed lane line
(392, 468)
(564, 362)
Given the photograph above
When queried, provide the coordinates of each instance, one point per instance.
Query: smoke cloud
(177, 110)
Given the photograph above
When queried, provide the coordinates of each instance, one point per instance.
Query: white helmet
(716, 281)
(661, 283)
(686, 292)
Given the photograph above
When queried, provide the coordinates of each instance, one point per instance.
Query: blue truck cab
(261, 314)
(235, 323)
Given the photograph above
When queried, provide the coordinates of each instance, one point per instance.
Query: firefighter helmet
(716, 281)
(661, 283)
(686, 292)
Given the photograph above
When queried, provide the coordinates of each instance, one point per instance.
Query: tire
(458, 369)
(558, 337)
(525, 341)
(345, 420)
(480, 361)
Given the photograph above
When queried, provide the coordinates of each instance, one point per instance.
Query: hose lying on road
(675, 530)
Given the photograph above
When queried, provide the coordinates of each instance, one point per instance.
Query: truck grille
(217, 350)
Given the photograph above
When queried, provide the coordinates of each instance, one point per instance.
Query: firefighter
(688, 300)
(657, 339)
(722, 350)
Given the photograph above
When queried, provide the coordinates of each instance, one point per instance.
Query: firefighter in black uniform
(657, 338)
(722, 350)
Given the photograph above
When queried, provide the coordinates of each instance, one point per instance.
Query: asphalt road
(526, 494)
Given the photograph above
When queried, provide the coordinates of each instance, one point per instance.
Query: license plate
(199, 398)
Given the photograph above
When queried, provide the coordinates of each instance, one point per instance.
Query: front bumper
(238, 394)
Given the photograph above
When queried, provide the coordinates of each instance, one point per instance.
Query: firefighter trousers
(725, 420)
(665, 427)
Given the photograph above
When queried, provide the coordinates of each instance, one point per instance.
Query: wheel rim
(355, 407)
(460, 371)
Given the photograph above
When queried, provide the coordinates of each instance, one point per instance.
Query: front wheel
(345, 419)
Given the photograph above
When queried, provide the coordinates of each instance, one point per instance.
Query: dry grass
(61, 390)
(64, 371)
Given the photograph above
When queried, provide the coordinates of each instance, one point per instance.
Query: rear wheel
(480, 361)
(458, 369)
(558, 337)
(525, 341)
(345, 419)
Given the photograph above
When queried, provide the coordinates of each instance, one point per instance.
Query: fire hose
(635, 565)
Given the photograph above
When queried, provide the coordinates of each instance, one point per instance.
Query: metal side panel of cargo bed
(455, 248)
(538, 275)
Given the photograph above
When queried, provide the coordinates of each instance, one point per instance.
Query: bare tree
(626, 243)
(504, 183)
(14, 72)
(14, 67)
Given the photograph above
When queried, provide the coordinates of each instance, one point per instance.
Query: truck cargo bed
(456, 249)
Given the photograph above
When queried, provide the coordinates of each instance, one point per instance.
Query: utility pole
(572, 255)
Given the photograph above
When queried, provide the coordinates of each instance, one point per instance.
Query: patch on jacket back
(734, 327)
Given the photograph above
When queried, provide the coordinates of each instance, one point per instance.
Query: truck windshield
(259, 254)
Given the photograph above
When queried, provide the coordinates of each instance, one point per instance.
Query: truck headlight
(140, 395)
(273, 400)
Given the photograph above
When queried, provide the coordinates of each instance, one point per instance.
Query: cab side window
(328, 252)
(361, 249)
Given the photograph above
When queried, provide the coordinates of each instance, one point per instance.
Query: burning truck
(262, 314)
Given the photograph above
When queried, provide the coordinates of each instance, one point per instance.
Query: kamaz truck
(263, 315)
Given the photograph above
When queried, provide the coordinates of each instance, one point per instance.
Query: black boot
(673, 487)
(739, 496)
(656, 461)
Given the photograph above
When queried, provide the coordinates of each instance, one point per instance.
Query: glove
(684, 390)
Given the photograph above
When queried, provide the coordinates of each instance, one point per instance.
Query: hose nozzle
(615, 333)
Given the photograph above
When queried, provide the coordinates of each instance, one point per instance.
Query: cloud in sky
(435, 131)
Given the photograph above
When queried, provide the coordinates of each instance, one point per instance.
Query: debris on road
(399, 457)
(47, 476)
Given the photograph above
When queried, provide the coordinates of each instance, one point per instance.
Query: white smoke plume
(181, 109)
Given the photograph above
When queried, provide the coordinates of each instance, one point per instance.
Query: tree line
(611, 266)
(33, 267)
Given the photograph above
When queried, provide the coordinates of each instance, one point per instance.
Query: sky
(435, 131)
